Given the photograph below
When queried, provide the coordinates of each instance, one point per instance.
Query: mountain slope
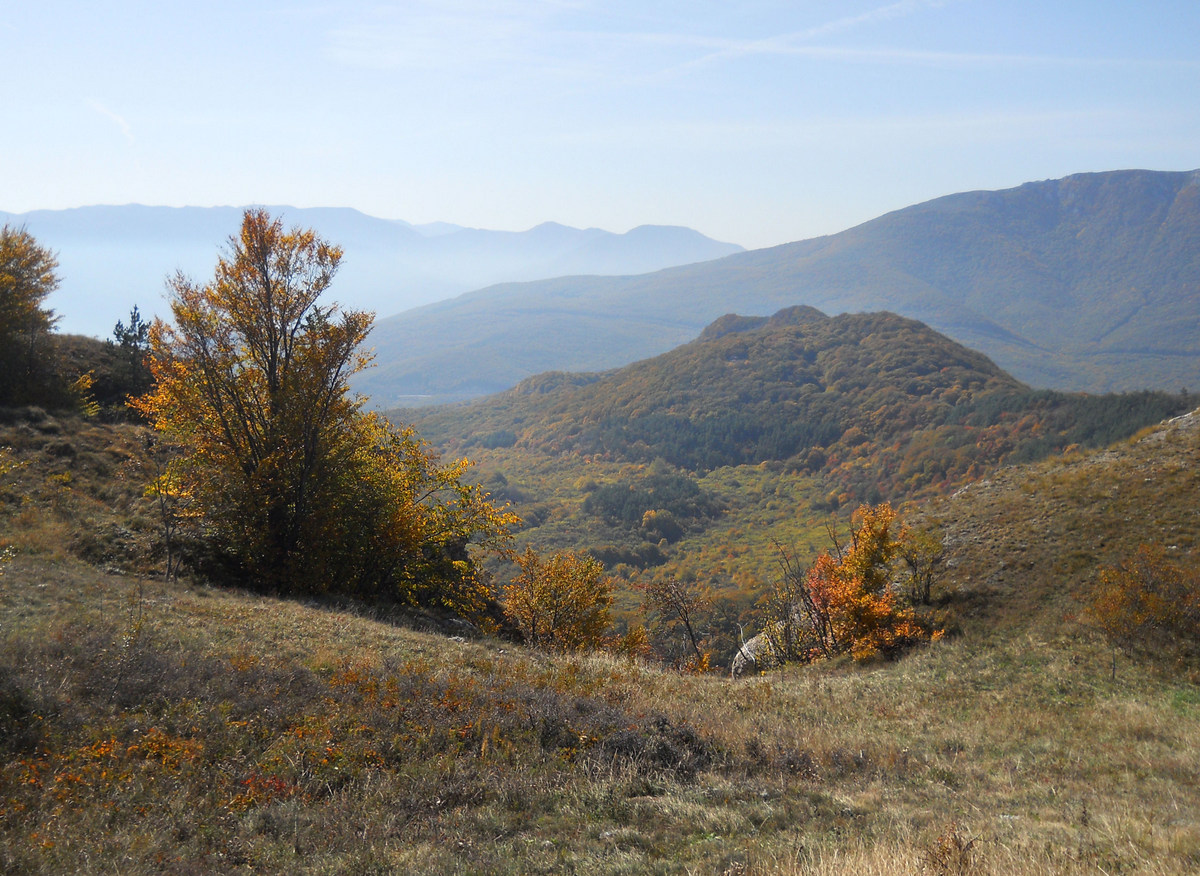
(1028, 541)
(1091, 282)
(114, 257)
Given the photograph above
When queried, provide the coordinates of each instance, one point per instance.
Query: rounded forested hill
(883, 404)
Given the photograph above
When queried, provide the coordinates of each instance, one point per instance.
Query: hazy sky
(757, 122)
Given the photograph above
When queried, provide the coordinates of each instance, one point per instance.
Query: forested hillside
(878, 405)
(703, 463)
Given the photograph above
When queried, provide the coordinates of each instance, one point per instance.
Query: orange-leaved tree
(847, 601)
(297, 487)
(561, 603)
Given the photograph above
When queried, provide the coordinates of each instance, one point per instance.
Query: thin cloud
(902, 9)
(456, 33)
(540, 39)
(113, 117)
(983, 126)
(972, 59)
(788, 43)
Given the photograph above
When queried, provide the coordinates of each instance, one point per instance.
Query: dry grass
(77, 491)
(230, 733)
(154, 728)
(1026, 544)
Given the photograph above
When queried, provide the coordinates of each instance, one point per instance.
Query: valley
(706, 462)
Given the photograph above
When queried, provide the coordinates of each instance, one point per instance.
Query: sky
(756, 122)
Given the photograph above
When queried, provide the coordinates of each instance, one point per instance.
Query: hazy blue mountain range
(114, 257)
(1091, 282)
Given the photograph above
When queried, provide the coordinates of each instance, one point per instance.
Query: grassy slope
(154, 728)
(1026, 541)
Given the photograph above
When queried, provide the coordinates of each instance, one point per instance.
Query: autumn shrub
(561, 603)
(952, 853)
(848, 601)
(1149, 604)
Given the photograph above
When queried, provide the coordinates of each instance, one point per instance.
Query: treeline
(665, 493)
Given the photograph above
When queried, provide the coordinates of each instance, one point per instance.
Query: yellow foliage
(1147, 602)
(27, 278)
(81, 391)
(296, 486)
(561, 603)
(634, 644)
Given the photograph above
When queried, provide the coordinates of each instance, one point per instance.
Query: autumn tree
(409, 517)
(847, 601)
(924, 554)
(27, 277)
(680, 606)
(561, 603)
(298, 487)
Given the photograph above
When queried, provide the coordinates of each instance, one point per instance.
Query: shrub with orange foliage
(847, 601)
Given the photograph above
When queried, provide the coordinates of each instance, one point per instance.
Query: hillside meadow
(154, 727)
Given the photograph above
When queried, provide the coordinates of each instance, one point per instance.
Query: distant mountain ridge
(1090, 282)
(112, 257)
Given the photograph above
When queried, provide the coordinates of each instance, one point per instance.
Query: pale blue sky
(757, 122)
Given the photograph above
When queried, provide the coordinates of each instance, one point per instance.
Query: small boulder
(754, 656)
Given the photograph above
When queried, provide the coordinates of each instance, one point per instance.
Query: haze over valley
(114, 257)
